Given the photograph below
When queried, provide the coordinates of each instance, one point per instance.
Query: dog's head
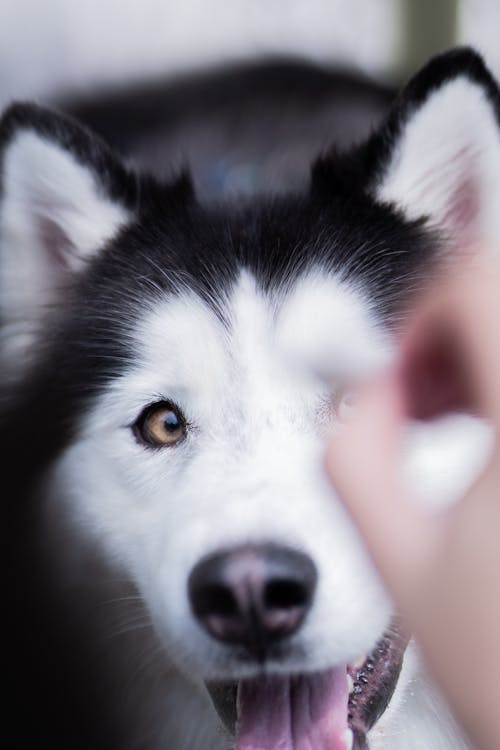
(194, 358)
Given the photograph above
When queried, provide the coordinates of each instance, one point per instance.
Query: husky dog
(185, 578)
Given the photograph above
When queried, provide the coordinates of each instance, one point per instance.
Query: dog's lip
(375, 679)
(224, 697)
(373, 683)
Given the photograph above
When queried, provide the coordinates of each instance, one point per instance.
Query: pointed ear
(64, 195)
(439, 152)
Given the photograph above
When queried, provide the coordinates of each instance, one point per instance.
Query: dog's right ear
(64, 195)
(439, 152)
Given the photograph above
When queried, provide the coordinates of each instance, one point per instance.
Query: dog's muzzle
(256, 597)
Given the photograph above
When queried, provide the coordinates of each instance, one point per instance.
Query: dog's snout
(252, 595)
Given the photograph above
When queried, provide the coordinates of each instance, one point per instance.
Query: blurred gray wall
(49, 47)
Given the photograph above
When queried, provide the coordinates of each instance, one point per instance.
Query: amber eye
(160, 425)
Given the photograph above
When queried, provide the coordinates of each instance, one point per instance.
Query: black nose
(253, 595)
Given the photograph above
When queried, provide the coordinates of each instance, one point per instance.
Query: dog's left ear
(438, 155)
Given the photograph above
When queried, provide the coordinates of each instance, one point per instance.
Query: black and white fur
(118, 290)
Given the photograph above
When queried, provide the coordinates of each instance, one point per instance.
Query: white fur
(250, 471)
(54, 216)
(319, 323)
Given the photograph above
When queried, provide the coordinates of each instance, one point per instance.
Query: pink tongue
(307, 712)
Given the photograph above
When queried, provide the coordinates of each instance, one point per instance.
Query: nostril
(285, 594)
(215, 599)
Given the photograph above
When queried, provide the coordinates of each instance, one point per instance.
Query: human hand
(442, 569)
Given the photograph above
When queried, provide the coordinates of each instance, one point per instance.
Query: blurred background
(247, 92)
(49, 47)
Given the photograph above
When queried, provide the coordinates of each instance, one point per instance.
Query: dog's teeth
(358, 663)
(350, 683)
(348, 739)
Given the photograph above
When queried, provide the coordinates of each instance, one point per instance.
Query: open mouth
(330, 710)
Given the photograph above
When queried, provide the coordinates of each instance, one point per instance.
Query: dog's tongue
(294, 713)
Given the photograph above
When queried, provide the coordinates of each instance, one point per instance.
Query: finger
(451, 352)
(364, 463)
(477, 305)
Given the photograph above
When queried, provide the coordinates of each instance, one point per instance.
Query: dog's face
(201, 357)
(212, 440)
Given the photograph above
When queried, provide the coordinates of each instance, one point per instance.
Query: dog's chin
(330, 710)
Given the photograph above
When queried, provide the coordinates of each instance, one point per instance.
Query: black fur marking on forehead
(345, 233)
(177, 247)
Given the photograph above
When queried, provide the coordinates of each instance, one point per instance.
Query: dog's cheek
(352, 609)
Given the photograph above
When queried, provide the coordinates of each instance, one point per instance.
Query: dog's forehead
(317, 325)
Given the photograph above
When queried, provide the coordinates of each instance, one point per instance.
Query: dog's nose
(252, 595)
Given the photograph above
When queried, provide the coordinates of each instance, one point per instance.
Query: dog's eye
(346, 401)
(160, 425)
